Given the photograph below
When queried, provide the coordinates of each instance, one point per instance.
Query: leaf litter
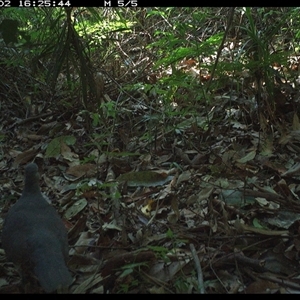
(144, 221)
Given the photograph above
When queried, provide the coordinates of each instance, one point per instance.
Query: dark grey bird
(35, 238)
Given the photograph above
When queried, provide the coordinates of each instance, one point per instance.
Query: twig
(198, 268)
(221, 47)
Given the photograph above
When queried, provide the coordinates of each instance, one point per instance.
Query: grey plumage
(35, 237)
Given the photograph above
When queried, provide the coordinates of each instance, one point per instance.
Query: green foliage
(9, 30)
(2, 137)
(182, 285)
(172, 51)
(161, 252)
(127, 270)
(262, 33)
(58, 43)
(176, 242)
(72, 43)
(171, 45)
(54, 148)
(96, 119)
(109, 109)
(125, 288)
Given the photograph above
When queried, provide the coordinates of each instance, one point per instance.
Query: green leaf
(247, 157)
(54, 147)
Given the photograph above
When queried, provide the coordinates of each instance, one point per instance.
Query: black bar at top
(97, 3)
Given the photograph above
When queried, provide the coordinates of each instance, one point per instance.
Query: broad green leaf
(54, 147)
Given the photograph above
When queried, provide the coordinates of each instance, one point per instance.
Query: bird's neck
(31, 187)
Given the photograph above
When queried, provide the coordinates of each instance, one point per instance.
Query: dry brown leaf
(78, 171)
(35, 137)
(83, 242)
(262, 287)
(83, 287)
(67, 153)
(25, 157)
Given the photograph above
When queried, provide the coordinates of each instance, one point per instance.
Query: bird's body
(35, 237)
